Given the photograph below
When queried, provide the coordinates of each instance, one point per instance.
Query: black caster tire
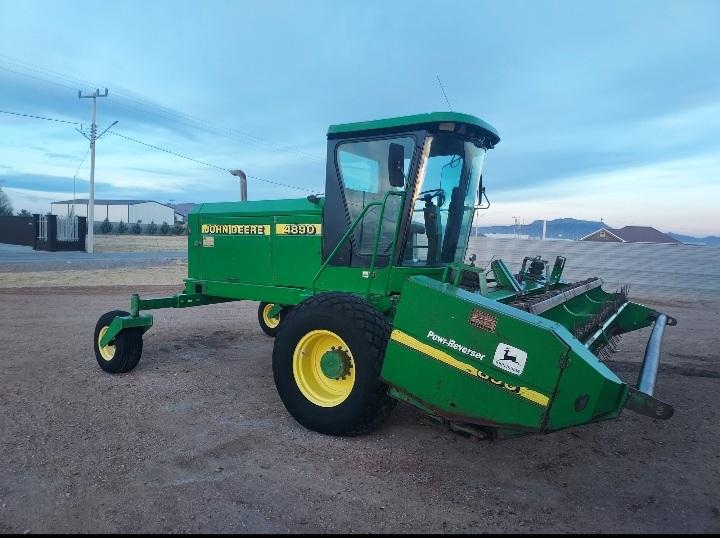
(124, 352)
(269, 325)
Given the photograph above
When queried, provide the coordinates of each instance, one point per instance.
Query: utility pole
(517, 227)
(243, 183)
(93, 138)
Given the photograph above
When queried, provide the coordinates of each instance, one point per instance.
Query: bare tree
(6, 208)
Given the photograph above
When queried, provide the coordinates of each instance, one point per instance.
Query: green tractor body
(372, 300)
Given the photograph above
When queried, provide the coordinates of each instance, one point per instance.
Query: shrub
(152, 228)
(106, 227)
(122, 227)
(136, 228)
(164, 228)
(178, 229)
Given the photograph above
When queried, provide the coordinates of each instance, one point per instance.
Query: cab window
(363, 170)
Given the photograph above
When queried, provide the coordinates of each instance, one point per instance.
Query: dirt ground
(167, 275)
(139, 243)
(196, 439)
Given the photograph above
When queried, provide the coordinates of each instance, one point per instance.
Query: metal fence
(652, 271)
(43, 228)
(67, 229)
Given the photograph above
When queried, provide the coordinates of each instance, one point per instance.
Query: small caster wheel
(269, 325)
(123, 353)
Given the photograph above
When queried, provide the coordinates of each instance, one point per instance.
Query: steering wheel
(433, 193)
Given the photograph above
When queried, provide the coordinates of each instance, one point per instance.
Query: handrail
(342, 240)
(377, 238)
(352, 227)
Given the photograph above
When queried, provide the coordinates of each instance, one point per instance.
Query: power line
(158, 148)
(76, 174)
(187, 119)
(205, 163)
(168, 151)
(81, 163)
(443, 92)
(68, 81)
(39, 117)
(139, 103)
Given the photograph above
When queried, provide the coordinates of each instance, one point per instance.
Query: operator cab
(419, 176)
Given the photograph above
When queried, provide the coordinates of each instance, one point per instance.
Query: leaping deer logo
(508, 357)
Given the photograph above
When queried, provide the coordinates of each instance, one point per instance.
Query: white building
(506, 236)
(128, 211)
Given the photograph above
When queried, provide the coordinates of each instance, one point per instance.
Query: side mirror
(396, 164)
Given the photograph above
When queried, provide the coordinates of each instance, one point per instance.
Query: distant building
(129, 211)
(630, 234)
(183, 208)
(506, 236)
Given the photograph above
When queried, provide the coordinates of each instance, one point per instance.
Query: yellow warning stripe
(534, 396)
(430, 351)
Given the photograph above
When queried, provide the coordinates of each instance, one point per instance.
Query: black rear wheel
(268, 324)
(123, 353)
(326, 363)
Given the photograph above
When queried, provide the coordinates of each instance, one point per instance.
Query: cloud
(32, 200)
(56, 98)
(47, 183)
(655, 194)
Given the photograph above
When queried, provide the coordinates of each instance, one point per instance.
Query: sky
(605, 109)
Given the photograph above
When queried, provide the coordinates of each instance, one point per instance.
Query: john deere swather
(369, 297)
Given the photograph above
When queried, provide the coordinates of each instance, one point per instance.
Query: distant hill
(710, 240)
(575, 229)
(556, 229)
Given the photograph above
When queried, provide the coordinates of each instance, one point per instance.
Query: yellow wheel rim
(106, 352)
(270, 322)
(324, 368)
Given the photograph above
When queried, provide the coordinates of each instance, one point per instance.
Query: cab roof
(433, 119)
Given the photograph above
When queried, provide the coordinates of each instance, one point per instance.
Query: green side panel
(228, 256)
(354, 280)
(416, 120)
(447, 350)
(633, 317)
(440, 316)
(193, 249)
(588, 390)
(256, 292)
(297, 254)
(254, 243)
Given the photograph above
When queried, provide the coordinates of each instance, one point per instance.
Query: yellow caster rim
(106, 352)
(324, 368)
(269, 321)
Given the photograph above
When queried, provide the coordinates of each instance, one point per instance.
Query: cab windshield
(444, 202)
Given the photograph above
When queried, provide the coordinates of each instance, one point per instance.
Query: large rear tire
(124, 352)
(326, 363)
